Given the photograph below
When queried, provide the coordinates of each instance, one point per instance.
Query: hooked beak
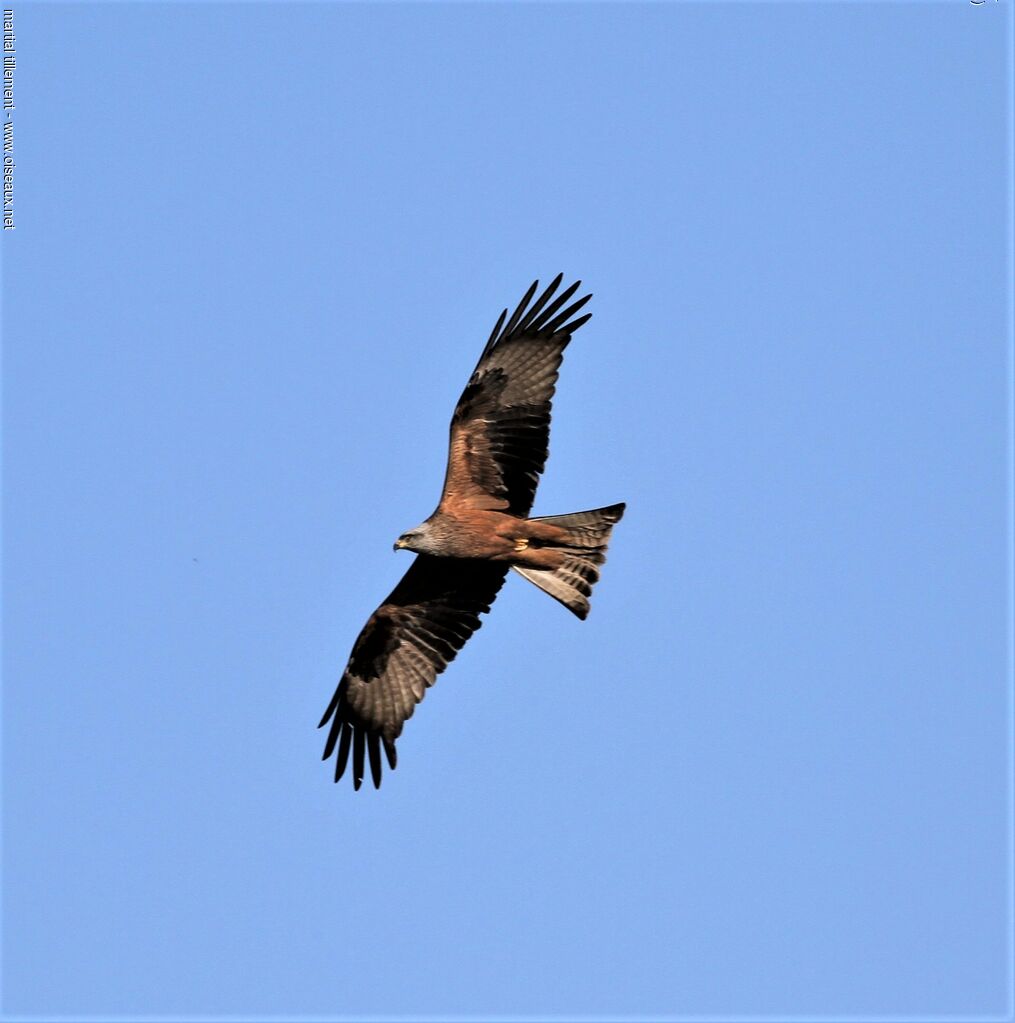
(399, 544)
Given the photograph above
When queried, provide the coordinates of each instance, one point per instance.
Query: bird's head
(414, 540)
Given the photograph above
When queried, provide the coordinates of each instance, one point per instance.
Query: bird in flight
(500, 435)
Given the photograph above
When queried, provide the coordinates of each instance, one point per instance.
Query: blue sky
(258, 250)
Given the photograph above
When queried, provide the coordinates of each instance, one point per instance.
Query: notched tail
(583, 551)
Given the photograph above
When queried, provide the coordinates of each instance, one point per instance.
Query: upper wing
(407, 642)
(500, 431)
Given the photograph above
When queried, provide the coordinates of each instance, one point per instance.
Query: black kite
(499, 437)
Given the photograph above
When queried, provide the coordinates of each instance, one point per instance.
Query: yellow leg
(520, 545)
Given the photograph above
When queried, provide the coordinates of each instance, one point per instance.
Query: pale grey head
(419, 539)
(435, 536)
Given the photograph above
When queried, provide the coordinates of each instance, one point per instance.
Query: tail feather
(588, 535)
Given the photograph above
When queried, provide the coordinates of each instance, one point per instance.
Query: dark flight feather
(517, 314)
(537, 325)
(493, 336)
(531, 315)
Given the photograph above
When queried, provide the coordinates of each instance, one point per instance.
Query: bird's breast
(477, 534)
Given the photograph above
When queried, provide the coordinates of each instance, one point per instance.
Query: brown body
(497, 536)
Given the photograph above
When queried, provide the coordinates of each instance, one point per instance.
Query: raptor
(481, 529)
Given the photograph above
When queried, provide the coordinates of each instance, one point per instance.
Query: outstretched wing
(407, 642)
(500, 431)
